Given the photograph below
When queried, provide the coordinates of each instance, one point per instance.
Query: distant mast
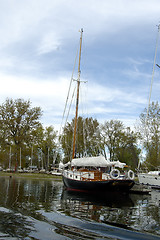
(147, 114)
(77, 99)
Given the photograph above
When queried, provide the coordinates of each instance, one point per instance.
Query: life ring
(115, 173)
(131, 175)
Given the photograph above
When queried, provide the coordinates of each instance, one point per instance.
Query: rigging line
(73, 95)
(84, 127)
(68, 91)
(83, 120)
(70, 105)
(154, 63)
(153, 71)
(59, 134)
(86, 98)
(84, 137)
(82, 102)
(97, 133)
(85, 130)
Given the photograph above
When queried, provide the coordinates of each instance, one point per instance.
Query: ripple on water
(39, 209)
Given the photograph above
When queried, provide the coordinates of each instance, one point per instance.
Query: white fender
(115, 172)
(131, 175)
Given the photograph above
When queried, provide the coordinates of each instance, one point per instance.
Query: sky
(38, 45)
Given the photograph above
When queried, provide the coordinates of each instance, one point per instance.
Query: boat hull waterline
(106, 185)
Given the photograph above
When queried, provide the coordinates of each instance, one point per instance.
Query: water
(42, 209)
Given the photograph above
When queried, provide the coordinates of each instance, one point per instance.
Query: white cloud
(20, 19)
(32, 29)
(48, 43)
(51, 95)
(103, 93)
(46, 93)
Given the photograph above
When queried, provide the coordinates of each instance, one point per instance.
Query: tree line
(25, 142)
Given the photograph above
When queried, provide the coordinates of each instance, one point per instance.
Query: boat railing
(90, 175)
(80, 175)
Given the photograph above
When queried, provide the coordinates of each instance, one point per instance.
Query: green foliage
(23, 138)
(150, 132)
(22, 135)
(18, 120)
(87, 138)
(48, 145)
(120, 142)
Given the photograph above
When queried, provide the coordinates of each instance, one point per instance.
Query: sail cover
(118, 164)
(99, 161)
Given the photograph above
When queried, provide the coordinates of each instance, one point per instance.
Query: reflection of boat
(115, 199)
(96, 207)
(94, 173)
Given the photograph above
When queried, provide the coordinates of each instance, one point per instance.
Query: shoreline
(37, 176)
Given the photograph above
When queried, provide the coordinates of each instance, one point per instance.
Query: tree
(49, 145)
(87, 138)
(18, 121)
(150, 132)
(92, 137)
(43, 147)
(121, 142)
(127, 150)
(112, 131)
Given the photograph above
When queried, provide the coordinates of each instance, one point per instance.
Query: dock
(140, 189)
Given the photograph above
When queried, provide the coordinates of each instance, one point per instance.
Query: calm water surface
(42, 209)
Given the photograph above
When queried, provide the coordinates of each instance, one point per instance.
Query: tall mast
(77, 99)
(147, 114)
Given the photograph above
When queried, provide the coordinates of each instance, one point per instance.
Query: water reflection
(14, 224)
(92, 206)
(20, 201)
(28, 195)
(113, 199)
(105, 207)
(134, 212)
(36, 209)
(155, 197)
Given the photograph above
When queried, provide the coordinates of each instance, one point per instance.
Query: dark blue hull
(107, 185)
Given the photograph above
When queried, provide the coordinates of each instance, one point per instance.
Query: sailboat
(151, 178)
(94, 173)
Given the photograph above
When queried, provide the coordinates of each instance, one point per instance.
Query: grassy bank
(31, 175)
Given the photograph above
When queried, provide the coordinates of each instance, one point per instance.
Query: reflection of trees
(28, 194)
(144, 216)
(25, 198)
(15, 225)
(154, 212)
(21, 198)
(122, 211)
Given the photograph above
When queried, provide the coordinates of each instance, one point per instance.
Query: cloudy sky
(38, 45)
